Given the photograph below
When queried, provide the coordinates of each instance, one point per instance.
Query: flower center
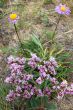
(63, 8)
(13, 16)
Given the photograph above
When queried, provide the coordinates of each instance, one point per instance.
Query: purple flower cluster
(28, 84)
(69, 90)
(51, 65)
(11, 96)
(63, 88)
(33, 61)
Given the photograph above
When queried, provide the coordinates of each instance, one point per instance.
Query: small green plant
(29, 70)
(38, 45)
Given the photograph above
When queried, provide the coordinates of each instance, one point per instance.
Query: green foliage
(47, 36)
(41, 102)
(3, 92)
(36, 45)
(47, 1)
(1, 3)
(65, 65)
(33, 45)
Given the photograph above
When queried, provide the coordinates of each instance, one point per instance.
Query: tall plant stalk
(21, 45)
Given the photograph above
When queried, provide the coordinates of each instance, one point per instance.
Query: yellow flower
(13, 16)
(63, 8)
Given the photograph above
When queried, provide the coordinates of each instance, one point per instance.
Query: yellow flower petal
(13, 16)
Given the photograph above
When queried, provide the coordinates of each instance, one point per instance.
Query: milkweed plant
(33, 77)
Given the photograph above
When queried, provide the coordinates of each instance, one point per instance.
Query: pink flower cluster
(30, 83)
(64, 88)
(33, 61)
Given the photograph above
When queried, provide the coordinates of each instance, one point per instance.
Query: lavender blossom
(69, 90)
(18, 89)
(53, 80)
(52, 70)
(62, 9)
(16, 68)
(35, 58)
(42, 70)
(33, 61)
(11, 96)
(48, 76)
(28, 77)
(21, 61)
(53, 61)
(10, 59)
(64, 84)
(39, 92)
(43, 75)
(47, 91)
(39, 80)
(32, 64)
(26, 94)
(9, 80)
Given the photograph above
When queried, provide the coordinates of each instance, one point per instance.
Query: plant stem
(53, 36)
(21, 45)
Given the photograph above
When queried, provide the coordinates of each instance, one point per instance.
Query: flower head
(39, 92)
(47, 91)
(64, 84)
(62, 9)
(53, 61)
(9, 80)
(11, 96)
(35, 58)
(13, 17)
(39, 80)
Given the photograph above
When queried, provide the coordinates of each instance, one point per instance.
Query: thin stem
(56, 28)
(18, 38)
(17, 33)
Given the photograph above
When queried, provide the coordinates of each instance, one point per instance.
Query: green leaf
(36, 40)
